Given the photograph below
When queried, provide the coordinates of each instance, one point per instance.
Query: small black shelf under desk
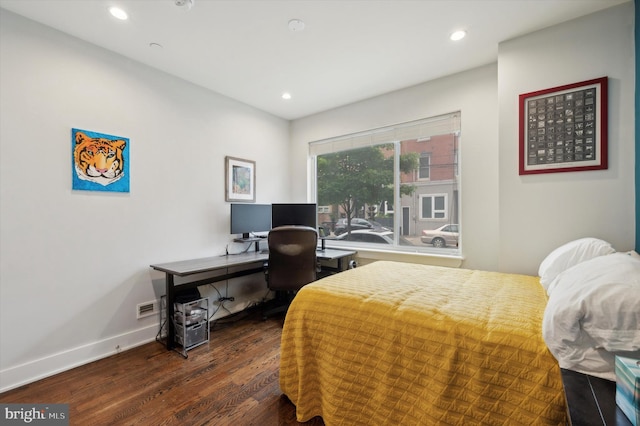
(591, 400)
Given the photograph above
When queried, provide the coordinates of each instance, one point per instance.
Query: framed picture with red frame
(564, 129)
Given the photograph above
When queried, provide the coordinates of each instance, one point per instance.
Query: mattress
(399, 344)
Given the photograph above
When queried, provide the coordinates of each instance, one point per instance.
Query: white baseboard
(29, 372)
(32, 371)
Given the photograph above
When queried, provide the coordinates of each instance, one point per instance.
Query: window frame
(445, 211)
(373, 138)
(426, 155)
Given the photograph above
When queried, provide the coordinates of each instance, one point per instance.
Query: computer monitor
(294, 214)
(247, 219)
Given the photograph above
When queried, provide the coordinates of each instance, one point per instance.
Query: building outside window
(412, 165)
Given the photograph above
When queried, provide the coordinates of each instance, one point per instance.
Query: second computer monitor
(294, 214)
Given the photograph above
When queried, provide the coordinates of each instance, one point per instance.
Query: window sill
(368, 255)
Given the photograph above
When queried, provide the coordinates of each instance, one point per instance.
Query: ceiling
(349, 50)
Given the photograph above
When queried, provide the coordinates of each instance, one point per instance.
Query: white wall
(509, 222)
(75, 264)
(541, 212)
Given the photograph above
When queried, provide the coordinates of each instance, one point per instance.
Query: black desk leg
(170, 292)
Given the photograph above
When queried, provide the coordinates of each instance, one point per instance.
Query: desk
(254, 262)
(331, 255)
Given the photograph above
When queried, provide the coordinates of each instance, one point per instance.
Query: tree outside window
(359, 181)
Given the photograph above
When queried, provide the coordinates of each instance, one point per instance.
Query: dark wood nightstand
(591, 401)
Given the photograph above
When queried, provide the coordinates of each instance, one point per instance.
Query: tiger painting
(98, 160)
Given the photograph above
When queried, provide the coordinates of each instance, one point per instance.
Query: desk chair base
(283, 299)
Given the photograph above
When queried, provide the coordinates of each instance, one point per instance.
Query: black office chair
(292, 262)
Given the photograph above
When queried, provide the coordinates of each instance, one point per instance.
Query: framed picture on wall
(564, 129)
(100, 162)
(240, 180)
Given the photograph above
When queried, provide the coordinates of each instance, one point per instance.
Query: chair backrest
(292, 257)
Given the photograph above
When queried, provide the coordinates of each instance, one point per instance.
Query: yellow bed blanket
(404, 344)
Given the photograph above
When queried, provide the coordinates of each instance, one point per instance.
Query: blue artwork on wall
(100, 161)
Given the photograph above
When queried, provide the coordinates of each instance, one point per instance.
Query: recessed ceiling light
(296, 25)
(458, 35)
(286, 96)
(184, 4)
(118, 13)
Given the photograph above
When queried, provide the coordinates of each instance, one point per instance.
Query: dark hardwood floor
(232, 380)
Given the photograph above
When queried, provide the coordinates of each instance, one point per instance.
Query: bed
(399, 344)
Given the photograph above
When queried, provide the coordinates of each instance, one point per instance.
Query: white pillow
(594, 312)
(570, 254)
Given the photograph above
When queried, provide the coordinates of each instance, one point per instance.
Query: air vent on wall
(147, 309)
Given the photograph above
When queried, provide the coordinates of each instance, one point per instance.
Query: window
(433, 206)
(360, 178)
(425, 162)
(450, 228)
